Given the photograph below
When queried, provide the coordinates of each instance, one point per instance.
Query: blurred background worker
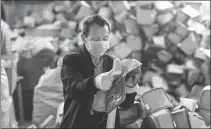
(31, 69)
(44, 104)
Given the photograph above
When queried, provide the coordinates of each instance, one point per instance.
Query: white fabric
(7, 119)
(104, 81)
(199, 53)
(191, 104)
(47, 104)
(59, 62)
(60, 114)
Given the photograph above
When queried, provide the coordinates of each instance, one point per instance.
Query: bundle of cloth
(44, 104)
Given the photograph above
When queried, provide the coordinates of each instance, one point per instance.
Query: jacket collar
(107, 61)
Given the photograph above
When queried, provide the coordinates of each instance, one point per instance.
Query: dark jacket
(78, 83)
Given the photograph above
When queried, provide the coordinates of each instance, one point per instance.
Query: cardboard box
(198, 27)
(120, 17)
(105, 12)
(181, 17)
(156, 68)
(143, 89)
(190, 104)
(114, 40)
(67, 33)
(112, 54)
(175, 69)
(163, 5)
(166, 29)
(61, 17)
(119, 35)
(188, 46)
(164, 56)
(150, 30)
(164, 18)
(131, 26)
(199, 54)
(191, 12)
(42, 33)
(181, 91)
(29, 21)
(72, 25)
(134, 43)
(48, 17)
(190, 65)
(84, 11)
(150, 51)
(136, 55)
(144, 3)
(145, 16)
(59, 7)
(159, 41)
(148, 75)
(122, 50)
(98, 4)
(158, 81)
(119, 6)
(174, 38)
(181, 30)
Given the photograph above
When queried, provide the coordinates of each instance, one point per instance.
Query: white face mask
(97, 48)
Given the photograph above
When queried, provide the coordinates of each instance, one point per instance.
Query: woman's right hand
(104, 81)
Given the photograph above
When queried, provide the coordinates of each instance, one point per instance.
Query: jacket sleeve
(75, 85)
(20, 66)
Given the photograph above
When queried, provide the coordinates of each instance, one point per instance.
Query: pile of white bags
(8, 119)
(48, 95)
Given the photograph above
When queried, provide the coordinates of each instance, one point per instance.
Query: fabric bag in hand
(106, 101)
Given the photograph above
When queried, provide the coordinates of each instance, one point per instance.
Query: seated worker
(31, 69)
(84, 73)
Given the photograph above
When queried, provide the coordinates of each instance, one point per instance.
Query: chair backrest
(156, 99)
(204, 104)
(181, 118)
(159, 119)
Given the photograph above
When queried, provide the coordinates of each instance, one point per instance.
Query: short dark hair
(94, 19)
